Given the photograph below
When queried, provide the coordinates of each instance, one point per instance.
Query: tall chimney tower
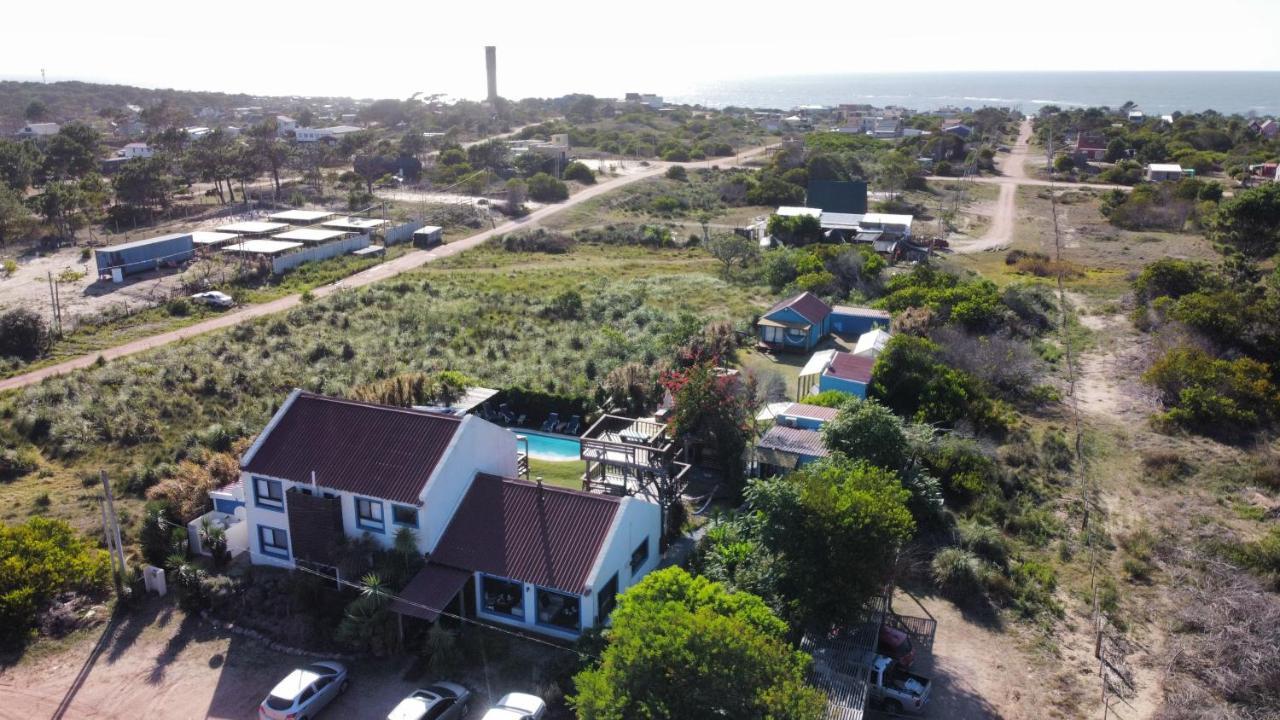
(491, 65)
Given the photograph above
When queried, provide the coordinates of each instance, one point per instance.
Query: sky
(376, 48)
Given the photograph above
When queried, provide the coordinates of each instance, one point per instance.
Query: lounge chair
(504, 412)
(574, 423)
(520, 421)
(551, 422)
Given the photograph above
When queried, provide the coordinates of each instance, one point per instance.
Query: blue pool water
(543, 446)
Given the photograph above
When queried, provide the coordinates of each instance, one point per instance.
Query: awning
(429, 591)
(766, 322)
(777, 458)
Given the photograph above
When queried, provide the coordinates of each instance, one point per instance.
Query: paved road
(385, 270)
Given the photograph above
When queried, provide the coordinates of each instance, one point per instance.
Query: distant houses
(1090, 148)
(1163, 172)
(38, 130)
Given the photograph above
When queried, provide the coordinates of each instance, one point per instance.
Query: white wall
(478, 446)
(636, 520)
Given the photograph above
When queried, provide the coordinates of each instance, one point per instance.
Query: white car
(213, 298)
(305, 692)
(442, 701)
(517, 706)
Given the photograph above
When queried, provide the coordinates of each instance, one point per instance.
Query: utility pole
(56, 316)
(111, 555)
(110, 510)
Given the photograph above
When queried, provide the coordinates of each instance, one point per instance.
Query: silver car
(305, 692)
(441, 701)
(213, 298)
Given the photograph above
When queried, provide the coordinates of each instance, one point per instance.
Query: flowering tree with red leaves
(713, 411)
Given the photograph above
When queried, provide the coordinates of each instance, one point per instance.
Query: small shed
(847, 373)
(428, 236)
(849, 320)
(872, 343)
(116, 261)
(1162, 172)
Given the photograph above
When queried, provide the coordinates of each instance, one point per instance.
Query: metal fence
(319, 252)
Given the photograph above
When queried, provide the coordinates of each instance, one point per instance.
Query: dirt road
(391, 268)
(1013, 165)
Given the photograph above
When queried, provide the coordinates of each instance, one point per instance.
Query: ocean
(1156, 93)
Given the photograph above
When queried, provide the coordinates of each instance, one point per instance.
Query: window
(369, 515)
(640, 555)
(273, 541)
(404, 515)
(502, 597)
(439, 709)
(268, 494)
(607, 599)
(559, 610)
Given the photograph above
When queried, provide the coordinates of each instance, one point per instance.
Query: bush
(544, 188)
(958, 573)
(580, 172)
(23, 335)
(178, 307)
(536, 240)
(677, 172)
(1220, 398)
(43, 558)
(15, 463)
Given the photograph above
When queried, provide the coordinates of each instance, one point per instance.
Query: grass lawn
(566, 474)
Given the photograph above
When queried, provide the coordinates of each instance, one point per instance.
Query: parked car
(895, 688)
(441, 701)
(517, 706)
(305, 692)
(213, 298)
(895, 644)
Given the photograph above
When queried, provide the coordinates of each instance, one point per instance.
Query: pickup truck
(895, 688)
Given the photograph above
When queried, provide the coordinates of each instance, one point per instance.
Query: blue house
(836, 370)
(786, 448)
(797, 323)
(849, 320)
(806, 417)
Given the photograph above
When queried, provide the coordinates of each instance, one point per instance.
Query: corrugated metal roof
(373, 450)
(544, 535)
(143, 243)
(848, 366)
(794, 440)
(816, 412)
(429, 591)
(851, 310)
(808, 305)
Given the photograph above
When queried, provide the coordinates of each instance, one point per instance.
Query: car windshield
(279, 703)
(318, 670)
(441, 691)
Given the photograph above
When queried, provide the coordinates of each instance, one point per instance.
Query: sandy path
(388, 269)
(1000, 233)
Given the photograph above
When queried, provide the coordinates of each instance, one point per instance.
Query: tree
(23, 334)
(1117, 150)
(517, 193)
(1249, 222)
(893, 170)
(36, 111)
(544, 188)
(731, 249)
(909, 378)
(580, 172)
(677, 173)
(143, 182)
(685, 647)
(712, 410)
(15, 217)
(773, 190)
(61, 204)
(42, 559)
(272, 153)
(835, 525)
(867, 430)
(795, 229)
(19, 163)
(72, 152)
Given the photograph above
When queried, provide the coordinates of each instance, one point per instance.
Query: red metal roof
(809, 306)
(429, 591)
(848, 366)
(816, 412)
(374, 450)
(1088, 142)
(545, 535)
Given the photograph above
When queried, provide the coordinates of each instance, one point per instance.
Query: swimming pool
(558, 448)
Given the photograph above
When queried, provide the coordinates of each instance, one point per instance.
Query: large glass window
(273, 541)
(404, 515)
(369, 515)
(607, 599)
(268, 494)
(640, 555)
(502, 597)
(559, 610)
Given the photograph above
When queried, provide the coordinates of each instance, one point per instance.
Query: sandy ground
(1003, 212)
(29, 287)
(388, 269)
(157, 662)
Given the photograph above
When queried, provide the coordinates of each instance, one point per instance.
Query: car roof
(522, 702)
(414, 706)
(293, 684)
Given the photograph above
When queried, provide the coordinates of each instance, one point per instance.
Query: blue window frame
(404, 515)
(273, 542)
(369, 515)
(268, 494)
